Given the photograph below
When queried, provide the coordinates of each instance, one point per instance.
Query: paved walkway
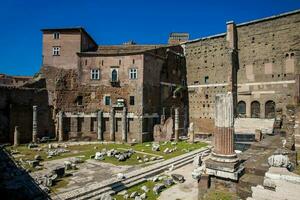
(182, 191)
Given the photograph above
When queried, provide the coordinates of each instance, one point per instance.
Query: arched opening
(255, 109)
(241, 108)
(114, 75)
(270, 109)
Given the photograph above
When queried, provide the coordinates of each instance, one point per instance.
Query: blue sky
(117, 21)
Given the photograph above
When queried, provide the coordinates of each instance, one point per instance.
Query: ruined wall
(269, 62)
(16, 110)
(208, 66)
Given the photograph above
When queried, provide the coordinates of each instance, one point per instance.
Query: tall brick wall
(268, 61)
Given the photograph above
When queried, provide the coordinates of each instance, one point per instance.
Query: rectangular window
(107, 100)
(79, 100)
(56, 35)
(133, 73)
(131, 100)
(95, 74)
(206, 79)
(56, 51)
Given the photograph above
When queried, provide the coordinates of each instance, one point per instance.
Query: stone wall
(267, 60)
(16, 110)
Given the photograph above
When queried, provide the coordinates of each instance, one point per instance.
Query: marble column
(112, 121)
(99, 125)
(224, 121)
(34, 124)
(124, 125)
(176, 128)
(191, 133)
(16, 136)
(60, 126)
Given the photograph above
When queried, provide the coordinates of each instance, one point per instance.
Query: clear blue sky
(116, 21)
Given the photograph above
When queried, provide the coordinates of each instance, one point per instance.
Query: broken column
(60, 126)
(191, 133)
(176, 128)
(99, 125)
(16, 136)
(34, 124)
(112, 124)
(224, 162)
(124, 125)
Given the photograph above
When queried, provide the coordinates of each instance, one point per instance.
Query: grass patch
(219, 195)
(59, 183)
(88, 150)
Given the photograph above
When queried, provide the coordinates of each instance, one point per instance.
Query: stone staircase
(114, 185)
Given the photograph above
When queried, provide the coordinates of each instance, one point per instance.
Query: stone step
(105, 186)
(136, 179)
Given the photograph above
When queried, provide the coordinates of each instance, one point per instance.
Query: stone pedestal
(60, 126)
(124, 125)
(224, 162)
(34, 124)
(176, 126)
(112, 123)
(16, 136)
(99, 125)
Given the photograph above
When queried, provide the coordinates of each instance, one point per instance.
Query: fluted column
(99, 125)
(60, 126)
(224, 120)
(176, 128)
(34, 124)
(124, 125)
(112, 124)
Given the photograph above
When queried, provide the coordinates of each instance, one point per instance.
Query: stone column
(124, 125)
(224, 162)
(112, 124)
(60, 126)
(99, 125)
(16, 136)
(191, 133)
(224, 144)
(163, 116)
(34, 124)
(176, 128)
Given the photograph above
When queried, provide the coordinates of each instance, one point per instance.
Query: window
(107, 100)
(56, 51)
(206, 79)
(131, 100)
(95, 74)
(133, 73)
(56, 35)
(79, 100)
(114, 75)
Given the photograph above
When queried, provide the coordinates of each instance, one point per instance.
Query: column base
(227, 170)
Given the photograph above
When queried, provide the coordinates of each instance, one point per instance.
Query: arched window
(114, 75)
(270, 109)
(255, 109)
(241, 108)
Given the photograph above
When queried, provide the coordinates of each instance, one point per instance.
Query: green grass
(219, 195)
(150, 194)
(59, 183)
(86, 151)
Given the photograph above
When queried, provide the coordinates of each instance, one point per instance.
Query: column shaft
(99, 125)
(34, 124)
(176, 124)
(124, 125)
(112, 124)
(60, 126)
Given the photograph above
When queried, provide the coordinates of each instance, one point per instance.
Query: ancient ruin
(183, 120)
